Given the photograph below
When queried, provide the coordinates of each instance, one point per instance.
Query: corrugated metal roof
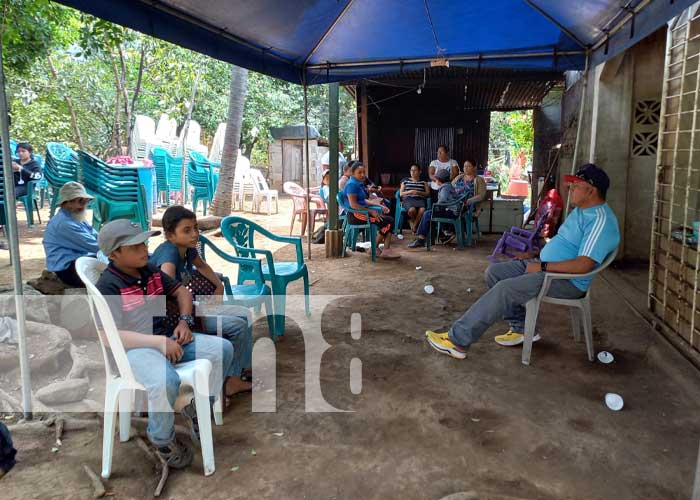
(494, 90)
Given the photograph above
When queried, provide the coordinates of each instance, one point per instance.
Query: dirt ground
(424, 426)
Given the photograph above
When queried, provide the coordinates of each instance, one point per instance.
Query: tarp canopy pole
(308, 175)
(333, 136)
(579, 127)
(13, 241)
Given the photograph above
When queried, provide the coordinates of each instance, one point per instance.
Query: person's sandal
(176, 454)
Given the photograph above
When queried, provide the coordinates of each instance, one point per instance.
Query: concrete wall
(546, 121)
(617, 134)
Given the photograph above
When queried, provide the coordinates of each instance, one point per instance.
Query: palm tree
(223, 198)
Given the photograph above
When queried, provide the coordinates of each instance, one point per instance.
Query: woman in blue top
(178, 258)
(378, 213)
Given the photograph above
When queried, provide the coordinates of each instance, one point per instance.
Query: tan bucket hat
(72, 190)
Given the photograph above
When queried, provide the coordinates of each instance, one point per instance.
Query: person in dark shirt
(25, 168)
(135, 292)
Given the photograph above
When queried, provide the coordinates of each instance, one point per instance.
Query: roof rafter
(568, 32)
(328, 32)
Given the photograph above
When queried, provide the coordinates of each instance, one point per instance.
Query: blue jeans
(510, 288)
(239, 333)
(158, 376)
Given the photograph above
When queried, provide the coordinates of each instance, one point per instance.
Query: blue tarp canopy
(318, 41)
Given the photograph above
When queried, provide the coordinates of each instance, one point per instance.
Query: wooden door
(292, 162)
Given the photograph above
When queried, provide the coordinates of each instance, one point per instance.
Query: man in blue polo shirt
(589, 234)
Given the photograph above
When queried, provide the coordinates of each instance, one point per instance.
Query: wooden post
(334, 237)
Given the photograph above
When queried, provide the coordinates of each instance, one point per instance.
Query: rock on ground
(36, 305)
(66, 391)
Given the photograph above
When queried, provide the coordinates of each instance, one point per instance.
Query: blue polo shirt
(66, 239)
(168, 252)
(590, 232)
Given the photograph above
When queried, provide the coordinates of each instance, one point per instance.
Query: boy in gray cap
(68, 235)
(135, 291)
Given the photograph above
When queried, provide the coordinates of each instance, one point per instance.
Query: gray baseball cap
(122, 232)
(72, 190)
(443, 175)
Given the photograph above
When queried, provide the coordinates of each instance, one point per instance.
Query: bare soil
(425, 425)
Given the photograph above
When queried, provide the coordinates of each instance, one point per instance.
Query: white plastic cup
(429, 289)
(399, 236)
(614, 401)
(605, 357)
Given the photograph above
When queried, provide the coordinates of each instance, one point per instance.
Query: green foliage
(84, 49)
(511, 132)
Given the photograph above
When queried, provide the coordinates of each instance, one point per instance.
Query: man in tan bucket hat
(68, 235)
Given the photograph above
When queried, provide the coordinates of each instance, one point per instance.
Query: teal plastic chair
(175, 165)
(159, 156)
(351, 230)
(253, 295)
(470, 221)
(200, 177)
(400, 212)
(61, 165)
(240, 233)
(456, 221)
(117, 190)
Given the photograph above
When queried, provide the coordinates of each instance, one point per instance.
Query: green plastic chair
(61, 165)
(240, 233)
(117, 190)
(351, 230)
(253, 295)
(456, 221)
(200, 177)
(159, 156)
(27, 200)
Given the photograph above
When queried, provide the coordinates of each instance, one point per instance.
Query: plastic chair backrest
(297, 193)
(217, 144)
(164, 130)
(89, 270)
(259, 182)
(194, 132)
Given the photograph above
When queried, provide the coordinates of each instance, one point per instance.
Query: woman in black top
(25, 168)
(414, 193)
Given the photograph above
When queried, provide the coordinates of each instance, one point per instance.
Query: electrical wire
(440, 50)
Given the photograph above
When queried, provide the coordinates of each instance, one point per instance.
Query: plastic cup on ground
(429, 289)
(605, 357)
(614, 401)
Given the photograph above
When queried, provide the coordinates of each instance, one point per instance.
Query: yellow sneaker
(445, 346)
(511, 338)
(430, 333)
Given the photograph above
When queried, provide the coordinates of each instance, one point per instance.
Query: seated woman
(325, 189)
(471, 184)
(347, 173)
(25, 168)
(414, 193)
(358, 200)
(446, 193)
(178, 258)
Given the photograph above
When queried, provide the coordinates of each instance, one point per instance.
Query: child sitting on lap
(178, 258)
(446, 194)
(135, 292)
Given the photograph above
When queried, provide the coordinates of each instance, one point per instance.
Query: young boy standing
(178, 258)
(135, 292)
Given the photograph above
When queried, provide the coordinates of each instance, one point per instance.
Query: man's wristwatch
(543, 267)
(187, 318)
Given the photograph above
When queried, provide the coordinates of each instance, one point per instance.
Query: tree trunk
(248, 150)
(130, 107)
(117, 129)
(69, 103)
(186, 130)
(121, 83)
(223, 198)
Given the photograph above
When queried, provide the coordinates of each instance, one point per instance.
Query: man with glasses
(68, 235)
(589, 234)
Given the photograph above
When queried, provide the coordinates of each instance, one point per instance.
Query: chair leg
(531, 310)
(125, 408)
(219, 408)
(111, 398)
(270, 314)
(306, 293)
(201, 401)
(291, 227)
(576, 320)
(38, 214)
(279, 303)
(588, 327)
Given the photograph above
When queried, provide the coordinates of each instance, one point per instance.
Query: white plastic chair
(262, 190)
(217, 145)
(580, 309)
(121, 384)
(242, 184)
(143, 136)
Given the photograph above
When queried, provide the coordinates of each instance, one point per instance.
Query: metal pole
(333, 133)
(579, 127)
(13, 240)
(308, 176)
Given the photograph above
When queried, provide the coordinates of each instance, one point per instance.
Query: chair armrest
(364, 212)
(259, 251)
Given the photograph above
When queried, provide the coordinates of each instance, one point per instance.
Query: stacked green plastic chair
(117, 191)
(201, 176)
(161, 161)
(61, 166)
